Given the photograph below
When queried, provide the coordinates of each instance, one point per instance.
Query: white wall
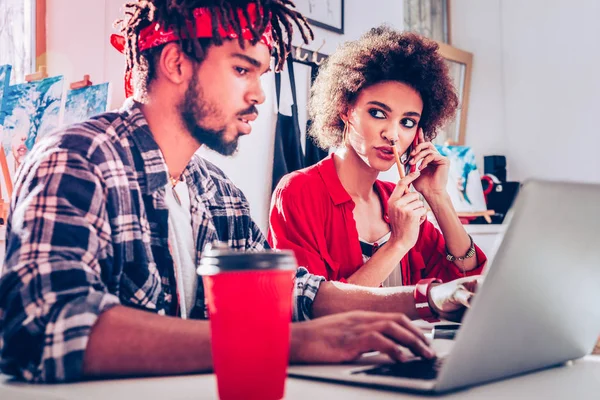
(78, 44)
(535, 92)
(77, 39)
(476, 28)
(551, 53)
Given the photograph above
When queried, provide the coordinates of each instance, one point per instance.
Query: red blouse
(311, 214)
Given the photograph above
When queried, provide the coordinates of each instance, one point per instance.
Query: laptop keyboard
(415, 369)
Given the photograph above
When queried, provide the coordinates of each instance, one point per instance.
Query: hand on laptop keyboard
(346, 336)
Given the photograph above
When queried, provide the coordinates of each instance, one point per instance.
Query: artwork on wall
(326, 14)
(29, 111)
(464, 182)
(81, 104)
(429, 18)
(459, 64)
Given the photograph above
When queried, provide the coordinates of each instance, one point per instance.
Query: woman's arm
(457, 240)
(432, 185)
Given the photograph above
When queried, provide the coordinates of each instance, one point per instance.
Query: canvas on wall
(464, 181)
(29, 111)
(82, 104)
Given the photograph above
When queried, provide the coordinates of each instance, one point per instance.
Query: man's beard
(193, 110)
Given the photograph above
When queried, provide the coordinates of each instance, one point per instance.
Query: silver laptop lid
(540, 302)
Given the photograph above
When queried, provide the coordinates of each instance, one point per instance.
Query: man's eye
(375, 113)
(241, 71)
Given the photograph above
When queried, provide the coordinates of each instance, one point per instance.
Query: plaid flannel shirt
(89, 230)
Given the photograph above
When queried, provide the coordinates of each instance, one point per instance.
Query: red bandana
(154, 35)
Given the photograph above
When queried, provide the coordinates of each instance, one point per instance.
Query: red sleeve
(297, 224)
(433, 250)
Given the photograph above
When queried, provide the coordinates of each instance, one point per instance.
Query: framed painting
(459, 64)
(326, 14)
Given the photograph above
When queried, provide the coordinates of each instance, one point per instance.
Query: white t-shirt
(395, 277)
(183, 248)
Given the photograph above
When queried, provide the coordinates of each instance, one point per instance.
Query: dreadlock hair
(175, 14)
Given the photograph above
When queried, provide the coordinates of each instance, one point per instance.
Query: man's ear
(174, 65)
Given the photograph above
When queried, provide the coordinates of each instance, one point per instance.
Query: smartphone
(445, 331)
(406, 162)
(415, 143)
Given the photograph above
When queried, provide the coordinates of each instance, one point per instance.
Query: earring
(345, 132)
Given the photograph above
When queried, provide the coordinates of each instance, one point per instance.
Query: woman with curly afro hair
(385, 89)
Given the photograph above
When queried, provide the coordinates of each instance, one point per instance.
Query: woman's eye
(408, 123)
(241, 71)
(375, 113)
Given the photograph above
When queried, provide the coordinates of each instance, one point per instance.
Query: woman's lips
(385, 153)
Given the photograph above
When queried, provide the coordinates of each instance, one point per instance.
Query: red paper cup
(249, 299)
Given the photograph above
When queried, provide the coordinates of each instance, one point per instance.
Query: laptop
(537, 307)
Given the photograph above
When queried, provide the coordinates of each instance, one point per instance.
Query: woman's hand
(451, 299)
(434, 168)
(405, 210)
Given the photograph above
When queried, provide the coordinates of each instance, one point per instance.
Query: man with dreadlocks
(99, 279)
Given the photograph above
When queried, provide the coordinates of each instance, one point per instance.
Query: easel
(37, 76)
(487, 215)
(81, 84)
(9, 186)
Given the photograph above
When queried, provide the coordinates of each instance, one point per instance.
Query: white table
(579, 380)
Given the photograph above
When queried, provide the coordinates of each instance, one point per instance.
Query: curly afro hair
(382, 54)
